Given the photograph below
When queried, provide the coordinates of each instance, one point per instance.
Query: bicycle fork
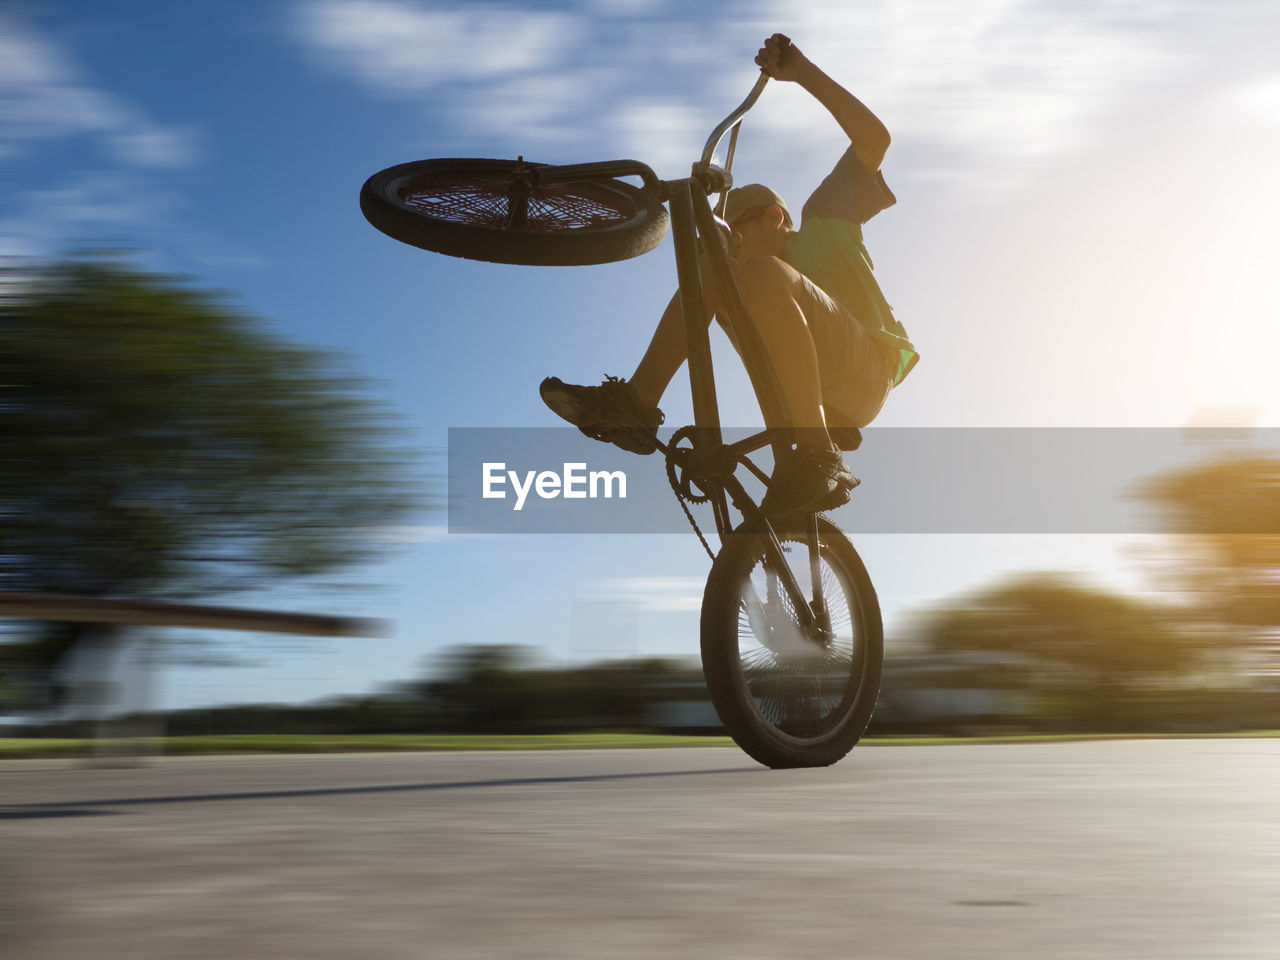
(811, 615)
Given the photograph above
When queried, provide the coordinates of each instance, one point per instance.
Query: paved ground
(1158, 849)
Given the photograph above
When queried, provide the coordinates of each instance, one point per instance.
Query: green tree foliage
(479, 688)
(158, 442)
(1085, 652)
(1229, 511)
(498, 689)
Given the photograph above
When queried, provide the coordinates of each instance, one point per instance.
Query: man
(829, 333)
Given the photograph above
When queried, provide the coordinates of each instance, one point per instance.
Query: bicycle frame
(692, 219)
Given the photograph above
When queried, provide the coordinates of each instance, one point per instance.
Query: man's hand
(781, 60)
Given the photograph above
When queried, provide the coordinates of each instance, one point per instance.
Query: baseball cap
(742, 199)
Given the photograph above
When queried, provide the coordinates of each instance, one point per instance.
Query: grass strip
(35, 747)
(343, 743)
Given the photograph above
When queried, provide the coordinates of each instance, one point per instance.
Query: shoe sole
(560, 403)
(820, 504)
(630, 439)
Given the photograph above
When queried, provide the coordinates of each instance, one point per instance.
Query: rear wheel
(487, 210)
(790, 697)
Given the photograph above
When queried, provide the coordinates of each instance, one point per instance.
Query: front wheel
(490, 210)
(791, 697)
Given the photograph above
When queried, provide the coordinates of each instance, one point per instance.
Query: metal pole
(76, 609)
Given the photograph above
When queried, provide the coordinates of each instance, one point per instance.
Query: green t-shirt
(828, 249)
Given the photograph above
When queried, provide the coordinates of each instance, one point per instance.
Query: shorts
(856, 370)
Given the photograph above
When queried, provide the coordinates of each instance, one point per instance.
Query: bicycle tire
(459, 207)
(770, 701)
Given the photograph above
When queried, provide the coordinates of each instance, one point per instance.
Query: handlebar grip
(784, 51)
(783, 44)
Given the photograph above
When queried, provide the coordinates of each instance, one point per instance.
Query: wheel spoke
(480, 199)
(799, 686)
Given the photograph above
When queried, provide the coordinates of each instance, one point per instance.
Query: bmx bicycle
(791, 635)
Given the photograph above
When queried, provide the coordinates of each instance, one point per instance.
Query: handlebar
(733, 119)
(563, 173)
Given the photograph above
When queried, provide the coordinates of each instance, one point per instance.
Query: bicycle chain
(687, 496)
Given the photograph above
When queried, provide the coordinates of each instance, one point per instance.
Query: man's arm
(870, 137)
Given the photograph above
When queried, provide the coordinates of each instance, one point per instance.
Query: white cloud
(81, 210)
(653, 593)
(409, 48)
(43, 97)
(1256, 99)
(666, 134)
(38, 99)
(972, 92)
(428, 533)
(1000, 82)
(93, 199)
(617, 8)
(155, 147)
(12, 246)
(410, 533)
(537, 109)
(540, 81)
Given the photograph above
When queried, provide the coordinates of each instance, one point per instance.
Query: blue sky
(1083, 237)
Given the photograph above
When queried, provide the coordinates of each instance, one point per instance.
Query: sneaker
(808, 480)
(610, 412)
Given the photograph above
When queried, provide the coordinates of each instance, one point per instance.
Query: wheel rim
(480, 199)
(801, 687)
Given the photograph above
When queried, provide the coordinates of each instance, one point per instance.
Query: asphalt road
(1140, 849)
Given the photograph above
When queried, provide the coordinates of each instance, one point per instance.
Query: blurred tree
(1087, 653)
(158, 442)
(499, 688)
(486, 688)
(1229, 514)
